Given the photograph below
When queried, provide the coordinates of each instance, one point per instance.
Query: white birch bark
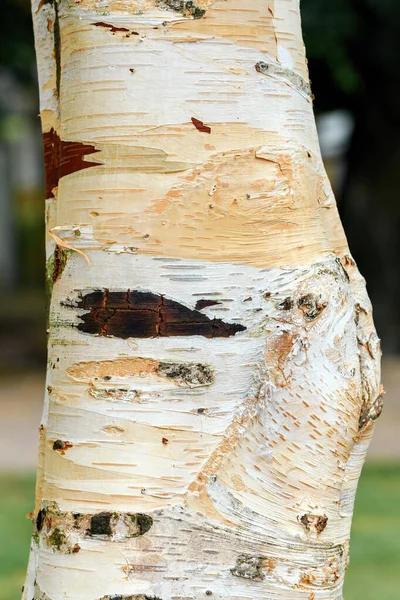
(213, 372)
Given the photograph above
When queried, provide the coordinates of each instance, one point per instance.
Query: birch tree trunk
(213, 373)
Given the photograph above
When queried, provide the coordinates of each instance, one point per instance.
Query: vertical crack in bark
(57, 46)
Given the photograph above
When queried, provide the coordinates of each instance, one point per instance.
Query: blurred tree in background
(353, 47)
(16, 41)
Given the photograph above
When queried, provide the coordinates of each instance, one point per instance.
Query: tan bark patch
(190, 374)
(277, 353)
(251, 26)
(121, 367)
(213, 210)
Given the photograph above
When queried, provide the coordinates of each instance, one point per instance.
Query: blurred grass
(16, 500)
(374, 570)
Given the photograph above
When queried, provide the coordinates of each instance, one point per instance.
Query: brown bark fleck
(312, 306)
(316, 523)
(112, 28)
(200, 125)
(200, 304)
(61, 446)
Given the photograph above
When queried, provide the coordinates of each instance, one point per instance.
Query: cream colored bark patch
(213, 209)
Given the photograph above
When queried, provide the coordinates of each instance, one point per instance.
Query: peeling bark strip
(200, 125)
(134, 314)
(369, 414)
(63, 158)
(62, 531)
(296, 80)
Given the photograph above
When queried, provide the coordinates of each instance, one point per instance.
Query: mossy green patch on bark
(55, 266)
(186, 7)
(56, 538)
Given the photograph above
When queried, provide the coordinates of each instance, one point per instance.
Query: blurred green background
(353, 47)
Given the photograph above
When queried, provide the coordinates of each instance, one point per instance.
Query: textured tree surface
(213, 372)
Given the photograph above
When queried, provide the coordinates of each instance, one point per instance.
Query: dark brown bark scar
(313, 523)
(134, 314)
(200, 125)
(40, 519)
(200, 304)
(63, 158)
